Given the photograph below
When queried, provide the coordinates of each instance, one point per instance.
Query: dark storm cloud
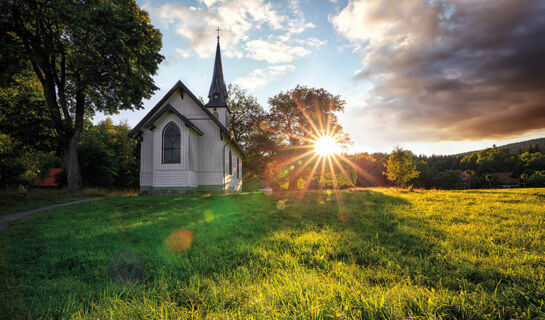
(450, 70)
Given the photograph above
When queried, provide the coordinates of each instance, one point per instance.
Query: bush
(537, 179)
(19, 166)
(108, 157)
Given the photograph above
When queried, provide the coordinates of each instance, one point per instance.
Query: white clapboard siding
(146, 179)
(170, 178)
(203, 159)
(210, 178)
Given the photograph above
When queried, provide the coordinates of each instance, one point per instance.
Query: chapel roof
(179, 86)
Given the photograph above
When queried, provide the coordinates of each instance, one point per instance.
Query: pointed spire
(217, 96)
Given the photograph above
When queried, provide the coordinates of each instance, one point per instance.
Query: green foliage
(296, 118)
(89, 56)
(380, 254)
(401, 167)
(532, 161)
(18, 165)
(537, 179)
(303, 113)
(249, 126)
(24, 115)
(490, 160)
(492, 180)
(108, 157)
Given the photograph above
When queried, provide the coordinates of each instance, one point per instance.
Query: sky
(431, 76)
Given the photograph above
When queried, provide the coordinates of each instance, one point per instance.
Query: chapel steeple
(217, 96)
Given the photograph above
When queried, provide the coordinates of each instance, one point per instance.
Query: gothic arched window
(171, 143)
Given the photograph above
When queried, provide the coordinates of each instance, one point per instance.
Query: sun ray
(364, 173)
(343, 171)
(336, 190)
(309, 177)
(298, 103)
(294, 158)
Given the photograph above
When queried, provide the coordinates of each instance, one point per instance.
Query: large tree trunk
(73, 172)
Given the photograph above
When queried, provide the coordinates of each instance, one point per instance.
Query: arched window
(171, 143)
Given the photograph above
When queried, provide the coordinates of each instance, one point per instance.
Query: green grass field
(385, 254)
(13, 201)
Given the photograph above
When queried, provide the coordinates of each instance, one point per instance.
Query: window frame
(163, 147)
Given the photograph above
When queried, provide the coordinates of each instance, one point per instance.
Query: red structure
(49, 179)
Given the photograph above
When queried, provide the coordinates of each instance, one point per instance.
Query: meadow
(16, 200)
(360, 254)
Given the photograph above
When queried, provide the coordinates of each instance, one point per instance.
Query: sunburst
(321, 150)
(326, 146)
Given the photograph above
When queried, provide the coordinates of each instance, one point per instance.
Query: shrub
(537, 179)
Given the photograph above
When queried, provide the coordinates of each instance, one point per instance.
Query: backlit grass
(385, 254)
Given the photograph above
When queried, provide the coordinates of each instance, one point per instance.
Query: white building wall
(223, 115)
(202, 157)
(231, 182)
(146, 159)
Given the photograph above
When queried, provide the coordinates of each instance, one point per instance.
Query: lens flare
(180, 240)
(326, 146)
(281, 204)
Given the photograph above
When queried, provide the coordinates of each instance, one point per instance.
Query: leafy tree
(490, 160)
(537, 179)
(532, 161)
(249, 124)
(109, 156)
(447, 179)
(401, 167)
(370, 170)
(300, 114)
(524, 178)
(23, 112)
(18, 165)
(470, 174)
(88, 56)
(428, 175)
(491, 179)
(296, 118)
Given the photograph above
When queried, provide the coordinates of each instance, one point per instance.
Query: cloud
(447, 70)
(237, 19)
(261, 77)
(274, 52)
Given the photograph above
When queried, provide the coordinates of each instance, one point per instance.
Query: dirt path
(5, 220)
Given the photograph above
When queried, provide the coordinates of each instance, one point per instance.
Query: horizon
(423, 106)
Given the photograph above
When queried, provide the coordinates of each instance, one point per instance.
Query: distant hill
(516, 147)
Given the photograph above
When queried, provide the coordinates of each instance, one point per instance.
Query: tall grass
(377, 254)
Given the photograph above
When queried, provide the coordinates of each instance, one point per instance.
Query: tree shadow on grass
(69, 255)
(72, 251)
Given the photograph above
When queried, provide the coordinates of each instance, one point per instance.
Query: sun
(326, 146)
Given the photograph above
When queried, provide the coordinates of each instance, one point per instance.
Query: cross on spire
(218, 91)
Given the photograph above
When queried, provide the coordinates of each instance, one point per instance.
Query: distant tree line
(488, 168)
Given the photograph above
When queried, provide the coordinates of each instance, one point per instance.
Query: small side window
(238, 169)
(230, 162)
